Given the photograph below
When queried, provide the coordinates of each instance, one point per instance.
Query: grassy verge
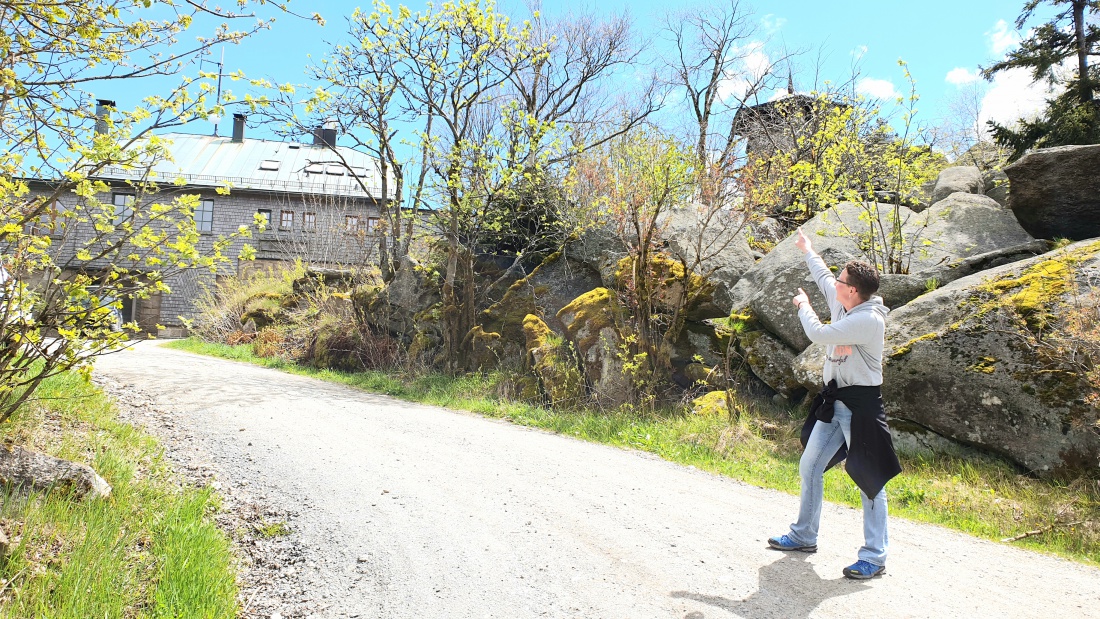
(983, 496)
(149, 550)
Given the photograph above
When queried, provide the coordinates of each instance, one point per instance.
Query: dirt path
(401, 510)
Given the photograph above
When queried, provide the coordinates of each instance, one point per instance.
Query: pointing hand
(800, 298)
(803, 242)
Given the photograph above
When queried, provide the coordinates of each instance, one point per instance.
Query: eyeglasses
(840, 281)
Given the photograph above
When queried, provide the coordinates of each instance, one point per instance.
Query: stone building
(774, 126)
(321, 202)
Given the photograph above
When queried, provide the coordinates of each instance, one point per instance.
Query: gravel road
(401, 510)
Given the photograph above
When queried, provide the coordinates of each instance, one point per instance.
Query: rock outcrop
(957, 179)
(551, 286)
(1055, 192)
(978, 361)
(771, 361)
(712, 244)
(955, 230)
(590, 324)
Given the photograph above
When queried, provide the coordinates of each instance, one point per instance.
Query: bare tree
(327, 231)
(719, 67)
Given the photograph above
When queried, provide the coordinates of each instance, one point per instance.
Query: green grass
(149, 550)
(983, 496)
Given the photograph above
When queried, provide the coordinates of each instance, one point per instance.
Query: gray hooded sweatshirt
(854, 339)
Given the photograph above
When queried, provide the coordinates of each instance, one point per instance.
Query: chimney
(238, 128)
(325, 135)
(103, 109)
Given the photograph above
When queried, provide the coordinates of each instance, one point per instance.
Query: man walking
(847, 419)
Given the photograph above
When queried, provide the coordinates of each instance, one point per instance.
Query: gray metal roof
(263, 165)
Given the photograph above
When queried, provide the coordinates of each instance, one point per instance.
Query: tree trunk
(384, 264)
(1084, 83)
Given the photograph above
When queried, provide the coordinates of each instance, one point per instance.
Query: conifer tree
(1072, 117)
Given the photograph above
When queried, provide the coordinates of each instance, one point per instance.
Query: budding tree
(70, 254)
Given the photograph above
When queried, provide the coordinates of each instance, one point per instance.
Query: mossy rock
(333, 278)
(364, 298)
(505, 317)
(488, 350)
(588, 315)
(265, 309)
(335, 347)
(712, 404)
(553, 284)
(592, 324)
(675, 288)
(772, 362)
(698, 374)
(986, 361)
(527, 389)
(554, 362)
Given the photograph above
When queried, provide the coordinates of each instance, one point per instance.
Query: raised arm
(862, 329)
(826, 283)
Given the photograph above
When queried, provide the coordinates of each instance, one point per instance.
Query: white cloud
(879, 89)
(1002, 38)
(959, 76)
(1013, 95)
(773, 23)
(756, 60)
(754, 64)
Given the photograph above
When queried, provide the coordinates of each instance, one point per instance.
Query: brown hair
(863, 277)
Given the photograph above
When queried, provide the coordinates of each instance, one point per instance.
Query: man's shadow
(787, 587)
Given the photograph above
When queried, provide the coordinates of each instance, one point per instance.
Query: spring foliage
(72, 256)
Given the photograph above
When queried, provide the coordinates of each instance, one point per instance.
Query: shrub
(220, 310)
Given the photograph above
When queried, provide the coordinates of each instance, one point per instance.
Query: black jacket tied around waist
(872, 460)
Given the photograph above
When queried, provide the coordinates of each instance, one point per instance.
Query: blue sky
(943, 41)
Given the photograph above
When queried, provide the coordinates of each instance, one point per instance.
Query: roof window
(334, 170)
(269, 164)
(315, 168)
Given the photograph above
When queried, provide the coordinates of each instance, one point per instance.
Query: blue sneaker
(784, 542)
(864, 570)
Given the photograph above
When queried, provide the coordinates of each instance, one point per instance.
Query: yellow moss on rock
(536, 331)
(670, 277)
(985, 365)
(1035, 293)
(711, 404)
(700, 374)
(907, 347)
(484, 348)
(592, 312)
(554, 363)
(507, 315)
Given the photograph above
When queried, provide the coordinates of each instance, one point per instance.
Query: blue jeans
(825, 439)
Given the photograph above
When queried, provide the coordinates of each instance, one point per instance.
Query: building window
(270, 165)
(46, 222)
(372, 224)
(265, 213)
(204, 216)
(309, 222)
(124, 206)
(286, 220)
(351, 222)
